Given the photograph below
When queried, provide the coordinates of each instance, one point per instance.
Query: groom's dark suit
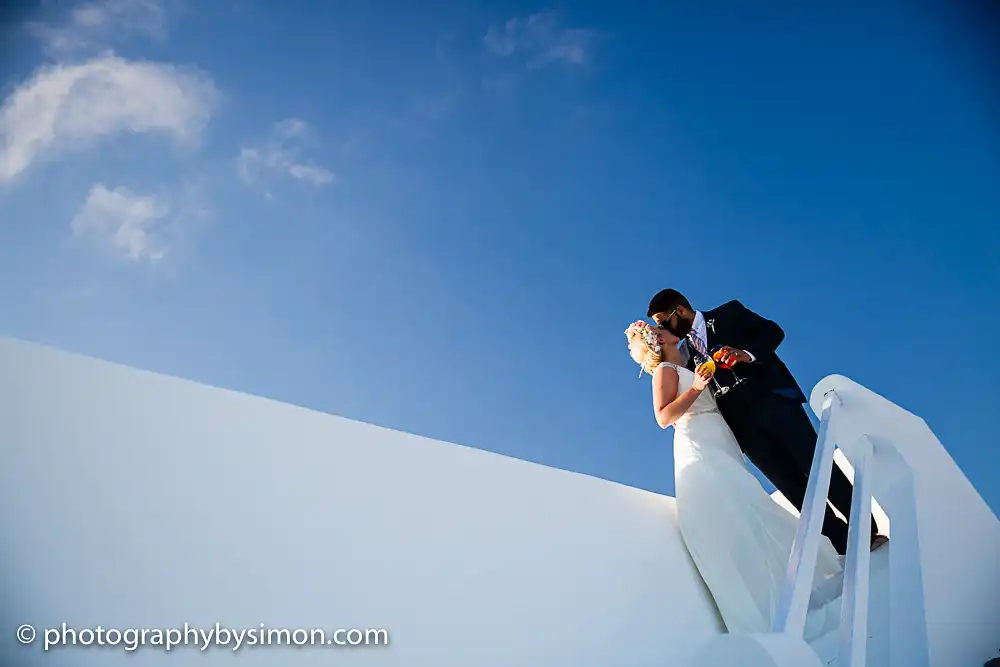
(766, 412)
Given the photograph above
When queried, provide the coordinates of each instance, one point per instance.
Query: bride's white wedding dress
(739, 537)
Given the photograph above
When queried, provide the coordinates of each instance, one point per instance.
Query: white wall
(132, 500)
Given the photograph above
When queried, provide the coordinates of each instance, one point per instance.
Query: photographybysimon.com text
(201, 637)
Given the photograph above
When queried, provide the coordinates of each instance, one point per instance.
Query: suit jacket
(736, 325)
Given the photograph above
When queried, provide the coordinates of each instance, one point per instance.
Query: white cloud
(280, 156)
(67, 107)
(541, 40)
(132, 226)
(93, 24)
(140, 228)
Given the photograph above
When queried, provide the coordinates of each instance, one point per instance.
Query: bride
(739, 537)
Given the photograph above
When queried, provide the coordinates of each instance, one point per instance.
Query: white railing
(907, 627)
(794, 602)
(933, 601)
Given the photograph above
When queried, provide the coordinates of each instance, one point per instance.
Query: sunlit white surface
(134, 500)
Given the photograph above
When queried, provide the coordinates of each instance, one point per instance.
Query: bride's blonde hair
(644, 348)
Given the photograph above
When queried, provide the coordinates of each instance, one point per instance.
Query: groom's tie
(698, 343)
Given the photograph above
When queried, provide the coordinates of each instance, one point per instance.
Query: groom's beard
(681, 329)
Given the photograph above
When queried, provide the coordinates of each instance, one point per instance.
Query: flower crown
(644, 331)
(648, 336)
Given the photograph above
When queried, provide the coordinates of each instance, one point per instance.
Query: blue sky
(440, 217)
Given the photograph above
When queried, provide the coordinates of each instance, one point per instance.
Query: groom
(765, 413)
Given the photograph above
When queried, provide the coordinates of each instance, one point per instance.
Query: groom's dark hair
(665, 301)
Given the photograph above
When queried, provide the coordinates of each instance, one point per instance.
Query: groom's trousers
(777, 436)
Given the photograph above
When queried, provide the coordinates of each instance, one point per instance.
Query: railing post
(909, 643)
(854, 604)
(793, 605)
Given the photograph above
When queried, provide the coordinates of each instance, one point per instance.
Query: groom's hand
(730, 355)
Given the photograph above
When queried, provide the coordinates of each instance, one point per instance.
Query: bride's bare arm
(667, 405)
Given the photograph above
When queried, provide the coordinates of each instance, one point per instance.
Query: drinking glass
(700, 361)
(717, 357)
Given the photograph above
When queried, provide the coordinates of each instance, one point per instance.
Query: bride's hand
(702, 377)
